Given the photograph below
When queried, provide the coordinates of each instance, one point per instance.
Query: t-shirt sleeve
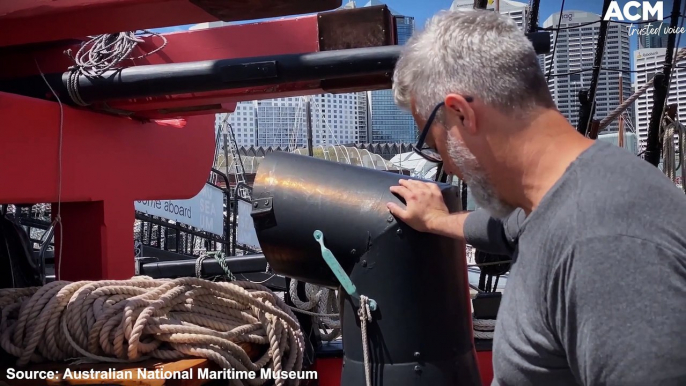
(493, 235)
(618, 307)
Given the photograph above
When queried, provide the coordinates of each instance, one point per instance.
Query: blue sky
(423, 10)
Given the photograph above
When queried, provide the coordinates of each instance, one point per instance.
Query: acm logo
(631, 9)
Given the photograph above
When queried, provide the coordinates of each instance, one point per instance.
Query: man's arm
(426, 211)
(493, 235)
(617, 307)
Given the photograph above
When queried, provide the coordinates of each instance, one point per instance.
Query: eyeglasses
(428, 153)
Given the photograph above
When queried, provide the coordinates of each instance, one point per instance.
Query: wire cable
(101, 54)
(557, 35)
(674, 60)
(58, 216)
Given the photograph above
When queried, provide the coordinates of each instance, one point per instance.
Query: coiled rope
(681, 55)
(102, 53)
(670, 162)
(131, 320)
(483, 328)
(321, 304)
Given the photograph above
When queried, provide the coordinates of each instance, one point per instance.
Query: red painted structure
(98, 216)
(106, 165)
(107, 161)
(286, 36)
(37, 21)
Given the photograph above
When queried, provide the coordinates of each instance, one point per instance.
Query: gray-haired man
(597, 293)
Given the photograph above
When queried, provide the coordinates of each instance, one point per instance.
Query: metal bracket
(261, 206)
(342, 277)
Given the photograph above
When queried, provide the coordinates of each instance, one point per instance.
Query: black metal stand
(421, 333)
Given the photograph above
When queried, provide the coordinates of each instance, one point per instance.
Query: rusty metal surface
(356, 28)
(261, 9)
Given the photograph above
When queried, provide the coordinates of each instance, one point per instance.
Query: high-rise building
(657, 30)
(647, 62)
(283, 121)
(572, 65)
(657, 38)
(515, 9)
(387, 122)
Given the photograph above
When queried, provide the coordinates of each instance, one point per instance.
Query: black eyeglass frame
(430, 154)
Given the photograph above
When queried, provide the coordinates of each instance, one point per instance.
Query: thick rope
(321, 304)
(132, 320)
(681, 55)
(365, 315)
(483, 328)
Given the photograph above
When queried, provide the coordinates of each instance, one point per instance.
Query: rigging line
(301, 125)
(532, 16)
(597, 63)
(566, 28)
(642, 22)
(292, 142)
(557, 35)
(673, 61)
(598, 22)
(661, 92)
(58, 216)
(601, 69)
(326, 124)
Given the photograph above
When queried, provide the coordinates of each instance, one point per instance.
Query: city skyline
(377, 119)
(646, 62)
(572, 64)
(390, 123)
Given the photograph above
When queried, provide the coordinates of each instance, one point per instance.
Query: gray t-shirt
(597, 292)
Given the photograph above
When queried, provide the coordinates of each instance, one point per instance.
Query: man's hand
(425, 209)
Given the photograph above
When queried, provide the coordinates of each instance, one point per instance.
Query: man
(597, 292)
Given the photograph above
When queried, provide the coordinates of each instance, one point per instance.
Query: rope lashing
(321, 304)
(365, 315)
(198, 265)
(132, 320)
(102, 53)
(681, 55)
(219, 256)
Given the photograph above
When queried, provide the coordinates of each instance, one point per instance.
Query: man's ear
(457, 106)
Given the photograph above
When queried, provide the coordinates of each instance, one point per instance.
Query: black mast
(587, 100)
(661, 84)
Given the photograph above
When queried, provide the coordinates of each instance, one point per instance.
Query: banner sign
(205, 211)
(245, 231)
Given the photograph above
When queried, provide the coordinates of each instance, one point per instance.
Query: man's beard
(481, 188)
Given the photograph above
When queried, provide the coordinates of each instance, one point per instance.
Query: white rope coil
(131, 320)
(321, 303)
(483, 328)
